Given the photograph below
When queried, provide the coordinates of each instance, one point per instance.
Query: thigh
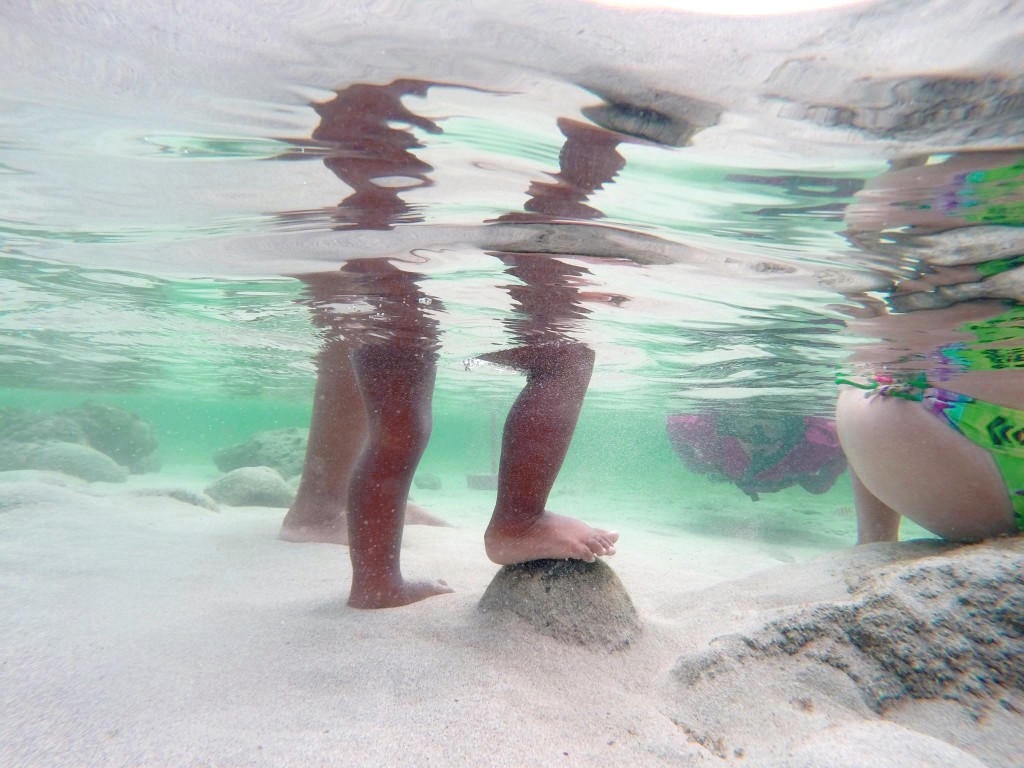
(916, 463)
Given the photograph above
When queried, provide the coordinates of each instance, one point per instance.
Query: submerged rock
(569, 600)
(184, 495)
(122, 436)
(948, 628)
(21, 426)
(899, 632)
(427, 482)
(280, 449)
(252, 487)
(70, 458)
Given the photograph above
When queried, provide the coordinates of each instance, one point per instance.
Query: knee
(405, 430)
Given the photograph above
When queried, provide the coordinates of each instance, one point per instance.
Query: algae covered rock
(252, 487)
(122, 436)
(22, 426)
(281, 449)
(569, 600)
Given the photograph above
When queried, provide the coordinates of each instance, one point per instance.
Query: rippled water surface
(704, 201)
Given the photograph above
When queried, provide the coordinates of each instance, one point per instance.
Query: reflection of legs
(537, 434)
(908, 461)
(397, 387)
(336, 434)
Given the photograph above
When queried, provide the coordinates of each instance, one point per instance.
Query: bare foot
(332, 531)
(395, 595)
(417, 515)
(550, 536)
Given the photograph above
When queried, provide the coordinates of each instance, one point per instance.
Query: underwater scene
(538, 383)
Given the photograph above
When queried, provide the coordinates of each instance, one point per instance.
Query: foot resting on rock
(550, 536)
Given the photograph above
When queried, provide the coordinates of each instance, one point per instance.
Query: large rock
(124, 437)
(570, 600)
(252, 487)
(21, 426)
(942, 628)
(922, 634)
(281, 449)
(69, 458)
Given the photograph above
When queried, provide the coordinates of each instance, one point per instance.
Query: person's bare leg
(536, 439)
(337, 431)
(920, 467)
(397, 384)
(876, 521)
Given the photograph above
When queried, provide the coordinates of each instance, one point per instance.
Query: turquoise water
(215, 215)
(163, 183)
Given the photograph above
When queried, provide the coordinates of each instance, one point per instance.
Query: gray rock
(281, 449)
(570, 600)
(69, 458)
(948, 627)
(184, 495)
(925, 634)
(427, 482)
(121, 435)
(147, 464)
(252, 487)
(22, 426)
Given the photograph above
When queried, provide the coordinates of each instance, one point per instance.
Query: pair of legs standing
(396, 384)
(372, 419)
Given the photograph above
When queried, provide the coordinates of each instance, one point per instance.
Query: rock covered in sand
(914, 636)
(184, 495)
(569, 600)
(251, 487)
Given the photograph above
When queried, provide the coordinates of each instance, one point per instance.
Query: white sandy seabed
(142, 631)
